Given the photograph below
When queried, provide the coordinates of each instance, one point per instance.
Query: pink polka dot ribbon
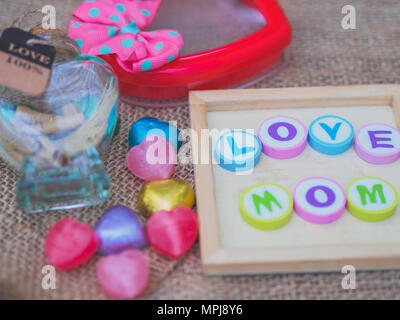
(115, 27)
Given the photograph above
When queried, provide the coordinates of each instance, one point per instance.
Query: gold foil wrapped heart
(165, 195)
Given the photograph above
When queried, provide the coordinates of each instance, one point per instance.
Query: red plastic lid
(216, 68)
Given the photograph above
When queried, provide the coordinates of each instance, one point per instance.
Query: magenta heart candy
(124, 275)
(70, 243)
(153, 159)
(172, 233)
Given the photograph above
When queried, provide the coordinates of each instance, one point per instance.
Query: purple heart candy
(119, 229)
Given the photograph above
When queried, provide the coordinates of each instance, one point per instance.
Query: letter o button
(282, 137)
(319, 200)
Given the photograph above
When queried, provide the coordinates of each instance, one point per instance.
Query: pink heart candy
(70, 243)
(124, 275)
(172, 233)
(153, 159)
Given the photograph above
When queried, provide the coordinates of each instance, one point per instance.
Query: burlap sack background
(322, 53)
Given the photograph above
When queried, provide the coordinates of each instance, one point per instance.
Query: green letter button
(371, 199)
(266, 206)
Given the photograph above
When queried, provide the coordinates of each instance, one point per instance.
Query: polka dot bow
(115, 27)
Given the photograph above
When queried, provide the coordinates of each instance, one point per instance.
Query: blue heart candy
(152, 126)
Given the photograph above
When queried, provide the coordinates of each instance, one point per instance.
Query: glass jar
(54, 141)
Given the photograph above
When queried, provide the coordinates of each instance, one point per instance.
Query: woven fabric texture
(322, 53)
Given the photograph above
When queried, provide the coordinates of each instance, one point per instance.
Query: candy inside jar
(54, 141)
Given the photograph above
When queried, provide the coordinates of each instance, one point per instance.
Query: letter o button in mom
(282, 137)
(378, 143)
(319, 200)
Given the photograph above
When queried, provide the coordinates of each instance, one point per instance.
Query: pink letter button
(319, 200)
(378, 143)
(282, 137)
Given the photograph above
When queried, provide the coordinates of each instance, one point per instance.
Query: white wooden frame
(219, 260)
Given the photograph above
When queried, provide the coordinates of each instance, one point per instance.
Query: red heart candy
(70, 243)
(172, 233)
(124, 275)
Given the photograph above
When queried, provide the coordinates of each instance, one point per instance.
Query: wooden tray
(229, 245)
